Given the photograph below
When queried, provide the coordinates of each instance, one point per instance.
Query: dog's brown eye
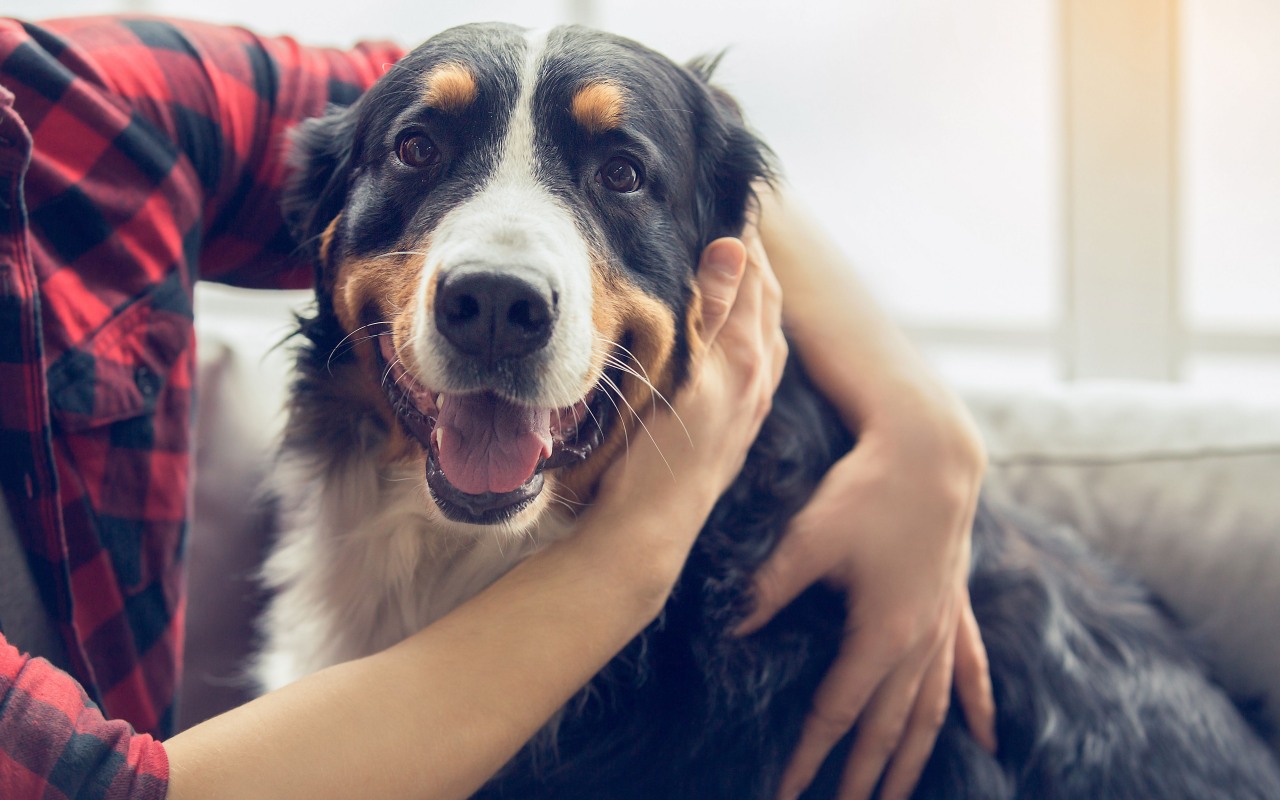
(418, 151)
(620, 175)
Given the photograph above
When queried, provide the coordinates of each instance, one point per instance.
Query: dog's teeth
(439, 438)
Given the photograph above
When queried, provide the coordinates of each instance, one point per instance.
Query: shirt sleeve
(226, 98)
(54, 743)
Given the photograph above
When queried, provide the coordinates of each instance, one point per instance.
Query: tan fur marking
(621, 310)
(451, 88)
(598, 107)
(387, 286)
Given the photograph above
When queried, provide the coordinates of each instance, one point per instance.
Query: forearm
(436, 715)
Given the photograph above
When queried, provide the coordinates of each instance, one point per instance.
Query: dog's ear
(321, 155)
(732, 159)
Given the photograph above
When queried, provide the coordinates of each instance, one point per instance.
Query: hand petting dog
(696, 449)
(902, 555)
(890, 525)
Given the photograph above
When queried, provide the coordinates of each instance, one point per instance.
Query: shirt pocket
(122, 370)
(121, 407)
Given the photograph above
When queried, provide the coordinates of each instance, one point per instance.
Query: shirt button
(147, 381)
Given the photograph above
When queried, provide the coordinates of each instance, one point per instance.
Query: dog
(505, 229)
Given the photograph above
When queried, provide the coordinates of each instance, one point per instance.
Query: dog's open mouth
(485, 455)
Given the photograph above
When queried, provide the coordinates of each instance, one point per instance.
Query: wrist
(892, 393)
(926, 430)
(641, 547)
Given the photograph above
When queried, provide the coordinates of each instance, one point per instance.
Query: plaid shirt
(55, 744)
(136, 155)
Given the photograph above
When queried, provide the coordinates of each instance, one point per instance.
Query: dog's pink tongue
(488, 444)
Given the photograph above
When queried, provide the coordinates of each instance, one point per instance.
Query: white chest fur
(366, 559)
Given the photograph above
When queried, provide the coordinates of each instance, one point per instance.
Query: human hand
(691, 452)
(738, 361)
(890, 525)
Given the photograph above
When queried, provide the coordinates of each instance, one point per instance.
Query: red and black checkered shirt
(54, 743)
(136, 156)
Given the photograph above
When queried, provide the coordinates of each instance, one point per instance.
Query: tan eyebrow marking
(598, 106)
(450, 88)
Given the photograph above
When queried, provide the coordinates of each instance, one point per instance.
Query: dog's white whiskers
(328, 364)
(556, 497)
(370, 338)
(561, 390)
(386, 479)
(499, 536)
(612, 360)
(387, 373)
(402, 253)
(402, 376)
(609, 382)
(636, 360)
(576, 500)
(594, 418)
(626, 437)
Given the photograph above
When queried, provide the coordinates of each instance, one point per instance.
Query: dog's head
(507, 225)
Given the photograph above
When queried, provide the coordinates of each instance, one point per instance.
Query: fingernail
(725, 258)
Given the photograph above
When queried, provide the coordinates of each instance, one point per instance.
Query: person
(137, 155)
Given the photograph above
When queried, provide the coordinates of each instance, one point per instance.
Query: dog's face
(507, 225)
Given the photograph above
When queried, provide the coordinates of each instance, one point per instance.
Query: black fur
(1096, 692)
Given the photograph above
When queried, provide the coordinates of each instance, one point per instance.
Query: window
(1230, 231)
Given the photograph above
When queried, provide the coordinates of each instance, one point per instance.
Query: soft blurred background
(1040, 190)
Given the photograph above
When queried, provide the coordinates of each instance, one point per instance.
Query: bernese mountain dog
(506, 228)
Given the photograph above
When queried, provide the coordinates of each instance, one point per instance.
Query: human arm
(203, 112)
(471, 688)
(139, 153)
(436, 715)
(890, 525)
(432, 717)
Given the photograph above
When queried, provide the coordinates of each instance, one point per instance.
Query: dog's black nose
(490, 315)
